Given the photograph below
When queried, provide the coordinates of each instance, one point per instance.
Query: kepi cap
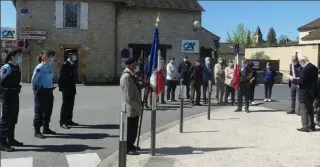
(130, 61)
(48, 52)
(14, 52)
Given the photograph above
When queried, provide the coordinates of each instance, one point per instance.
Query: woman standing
(10, 79)
(42, 85)
(253, 82)
(269, 75)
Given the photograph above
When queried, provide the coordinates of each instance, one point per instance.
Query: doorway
(65, 57)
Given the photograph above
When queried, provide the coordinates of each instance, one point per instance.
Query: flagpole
(154, 109)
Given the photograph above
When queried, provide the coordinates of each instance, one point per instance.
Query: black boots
(4, 145)
(38, 134)
(48, 131)
(14, 142)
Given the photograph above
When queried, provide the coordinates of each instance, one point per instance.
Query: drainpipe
(115, 42)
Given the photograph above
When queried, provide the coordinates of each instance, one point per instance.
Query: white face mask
(74, 57)
(136, 69)
(208, 62)
(185, 60)
(172, 61)
(220, 61)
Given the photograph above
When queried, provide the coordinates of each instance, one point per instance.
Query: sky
(221, 17)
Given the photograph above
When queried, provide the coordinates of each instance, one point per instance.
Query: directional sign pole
(153, 124)
(209, 99)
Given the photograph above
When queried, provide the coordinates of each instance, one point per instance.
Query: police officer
(10, 78)
(67, 85)
(42, 85)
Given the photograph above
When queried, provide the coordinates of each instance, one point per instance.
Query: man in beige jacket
(131, 103)
(219, 76)
(229, 71)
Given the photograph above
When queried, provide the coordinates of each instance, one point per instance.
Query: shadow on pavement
(82, 136)
(102, 126)
(222, 119)
(57, 148)
(205, 131)
(185, 150)
(265, 110)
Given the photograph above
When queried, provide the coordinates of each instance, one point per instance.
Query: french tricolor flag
(155, 68)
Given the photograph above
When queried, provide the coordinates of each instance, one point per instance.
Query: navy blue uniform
(42, 84)
(11, 77)
(67, 85)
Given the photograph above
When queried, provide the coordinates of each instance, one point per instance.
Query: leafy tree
(249, 39)
(272, 37)
(283, 39)
(260, 56)
(239, 36)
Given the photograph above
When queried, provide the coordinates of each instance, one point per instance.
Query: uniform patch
(4, 71)
(38, 70)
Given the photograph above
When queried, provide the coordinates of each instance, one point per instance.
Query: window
(71, 15)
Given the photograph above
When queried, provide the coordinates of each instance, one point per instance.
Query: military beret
(14, 52)
(48, 52)
(130, 61)
(172, 58)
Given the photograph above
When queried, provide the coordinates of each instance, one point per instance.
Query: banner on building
(8, 34)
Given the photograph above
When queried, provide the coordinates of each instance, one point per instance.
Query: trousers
(66, 113)
(268, 89)
(307, 117)
(195, 88)
(294, 95)
(10, 112)
(132, 130)
(252, 89)
(229, 90)
(43, 104)
(220, 91)
(171, 89)
(244, 91)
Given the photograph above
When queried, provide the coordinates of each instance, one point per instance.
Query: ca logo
(7, 34)
(189, 46)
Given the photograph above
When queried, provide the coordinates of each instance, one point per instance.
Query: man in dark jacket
(195, 73)
(317, 103)
(183, 71)
(67, 85)
(295, 69)
(307, 84)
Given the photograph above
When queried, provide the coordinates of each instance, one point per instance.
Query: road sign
(36, 32)
(33, 37)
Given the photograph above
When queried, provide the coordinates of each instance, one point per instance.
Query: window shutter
(59, 14)
(84, 15)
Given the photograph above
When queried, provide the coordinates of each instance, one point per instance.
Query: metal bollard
(123, 139)
(153, 123)
(209, 99)
(181, 107)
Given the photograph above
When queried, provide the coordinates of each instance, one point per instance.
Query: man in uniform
(245, 79)
(131, 102)
(295, 69)
(67, 85)
(183, 71)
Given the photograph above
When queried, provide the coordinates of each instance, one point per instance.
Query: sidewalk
(262, 138)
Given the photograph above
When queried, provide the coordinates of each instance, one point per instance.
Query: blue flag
(153, 61)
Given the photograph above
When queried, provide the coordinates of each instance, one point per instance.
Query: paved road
(97, 109)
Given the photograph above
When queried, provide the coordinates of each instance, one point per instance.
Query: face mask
(268, 67)
(51, 60)
(295, 63)
(136, 69)
(220, 61)
(74, 58)
(172, 61)
(19, 59)
(185, 60)
(207, 62)
(231, 65)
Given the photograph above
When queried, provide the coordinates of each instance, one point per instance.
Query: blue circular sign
(125, 53)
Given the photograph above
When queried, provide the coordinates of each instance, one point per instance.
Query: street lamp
(196, 25)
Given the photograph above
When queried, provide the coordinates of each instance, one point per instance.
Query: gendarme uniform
(42, 85)
(11, 77)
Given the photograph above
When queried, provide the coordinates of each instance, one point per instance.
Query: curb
(113, 158)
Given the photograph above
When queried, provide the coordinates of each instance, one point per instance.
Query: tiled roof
(214, 36)
(313, 35)
(310, 26)
(227, 48)
(166, 4)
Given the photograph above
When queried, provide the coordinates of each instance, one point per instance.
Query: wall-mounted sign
(24, 11)
(125, 53)
(8, 34)
(36, 34)
(28, 28)
(190, 46)
(256, 64)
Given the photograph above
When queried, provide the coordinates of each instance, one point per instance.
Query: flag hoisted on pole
(155, 68)
(236, 74)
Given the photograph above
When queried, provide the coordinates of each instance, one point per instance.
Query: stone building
(97, 31)
(258, 37)
(310, 33)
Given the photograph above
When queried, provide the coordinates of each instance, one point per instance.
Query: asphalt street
(97, 109)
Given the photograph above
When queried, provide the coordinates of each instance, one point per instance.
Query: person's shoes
(238, 110)
(169, 101)
(5, 147)
(269, 100)
(48, 131)
(198, 104)
(163, 102)
(253, 102)
(265, 100)
(39, 135)
(298, 113)
(291, 112)
(14, 142)
(317, 123)
(304, 129)
(174, 101)
(313, 128)
(247, 110)
(133, 152)
(71, 123)
(64, 126)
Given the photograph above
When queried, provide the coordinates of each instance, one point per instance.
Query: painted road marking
(83, 160)
(17, 162)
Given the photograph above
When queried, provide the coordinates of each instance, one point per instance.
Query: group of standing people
(43, 86)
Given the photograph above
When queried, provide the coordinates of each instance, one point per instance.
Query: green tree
(260, 56)
(239, 36)
(272, 37)
(249, 39)
(283, 40)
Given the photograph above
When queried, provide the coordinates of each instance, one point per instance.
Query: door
(75, 52)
